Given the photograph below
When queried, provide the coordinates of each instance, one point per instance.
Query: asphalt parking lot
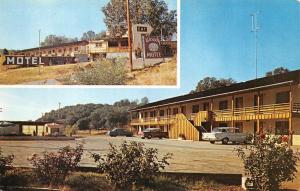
(188, 156)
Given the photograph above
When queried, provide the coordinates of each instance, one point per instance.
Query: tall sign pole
(255, 29)
(129, 35)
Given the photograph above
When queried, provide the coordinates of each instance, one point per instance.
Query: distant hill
(93, 116)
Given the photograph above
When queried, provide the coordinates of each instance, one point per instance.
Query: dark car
(120, 132)
(154, 132)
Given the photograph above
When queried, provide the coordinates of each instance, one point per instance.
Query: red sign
(152, 47)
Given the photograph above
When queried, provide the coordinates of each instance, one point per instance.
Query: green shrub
(52, 168)
(19, 177)
(131, 163)
(5, 164)
(269, 162)
(102, 72)
(87, 181)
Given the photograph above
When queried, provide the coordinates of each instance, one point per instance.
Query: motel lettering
(23, 60)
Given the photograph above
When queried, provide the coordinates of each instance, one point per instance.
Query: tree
(211, 83)
(144, 101)
(153, 12)
(90, 35)
(52, 40)
(278, 70)
(100, 35)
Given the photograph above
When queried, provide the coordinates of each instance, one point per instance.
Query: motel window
(53, 51)
(113, 43)
(152, 113)
(261, 99)
(195, 108)
(76, 48)
(239, 102)
(124, 43)
(146, 114)
(161, 113)
(168, 111)
(59, 50)
(98, 44)
(206, 106)
(239, 126)
(175, 111)
(283, 97)
(70, 49)
(223, 105)
(223, 125)
(281, 128)
(183, 110)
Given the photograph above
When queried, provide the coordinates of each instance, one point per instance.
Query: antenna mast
(255, 28)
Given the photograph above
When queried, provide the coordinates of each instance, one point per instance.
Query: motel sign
(22, 60)
(152, 47)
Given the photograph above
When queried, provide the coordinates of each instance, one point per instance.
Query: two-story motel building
(269, 103)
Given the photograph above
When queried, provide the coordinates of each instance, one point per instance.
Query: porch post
(290, 143)
(211, 110)
(232, 111)
(258, 113)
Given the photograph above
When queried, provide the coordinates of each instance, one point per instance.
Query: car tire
(143, 137)
(225, 141)
(233, 142)
(149, 136)
(212, 142)
(160, 137)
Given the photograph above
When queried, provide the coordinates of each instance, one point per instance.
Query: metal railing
(254, 110)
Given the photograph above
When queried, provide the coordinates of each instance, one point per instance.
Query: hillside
(93, 116)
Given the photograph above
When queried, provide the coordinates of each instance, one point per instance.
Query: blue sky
(21, 19)
(216, 40)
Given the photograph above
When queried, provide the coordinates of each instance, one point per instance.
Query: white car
(226, 135)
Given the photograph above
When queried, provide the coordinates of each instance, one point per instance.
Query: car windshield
(219, 130)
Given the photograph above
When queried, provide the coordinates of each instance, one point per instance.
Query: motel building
(269, 103)
(92, 49)
(30, 128)
(87, 50)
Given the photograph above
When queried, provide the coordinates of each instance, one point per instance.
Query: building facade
(62, 50)
(94, 49)
(269, 103)
(30, 128)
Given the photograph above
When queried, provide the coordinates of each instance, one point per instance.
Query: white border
(119, 86)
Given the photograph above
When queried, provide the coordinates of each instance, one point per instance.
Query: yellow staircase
(183, 126)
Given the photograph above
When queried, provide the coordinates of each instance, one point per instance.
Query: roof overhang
(219, 95)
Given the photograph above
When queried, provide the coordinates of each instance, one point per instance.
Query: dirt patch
(161, 74)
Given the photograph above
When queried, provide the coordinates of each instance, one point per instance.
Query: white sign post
(138, 31)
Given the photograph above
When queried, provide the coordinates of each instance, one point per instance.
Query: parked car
(119, 132)
(226, 135)
(153, 132)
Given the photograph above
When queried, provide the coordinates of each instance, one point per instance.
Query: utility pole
(129, 34)
(39, 51)
(255, 28)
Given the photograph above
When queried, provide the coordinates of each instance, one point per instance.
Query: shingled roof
(280, 79)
